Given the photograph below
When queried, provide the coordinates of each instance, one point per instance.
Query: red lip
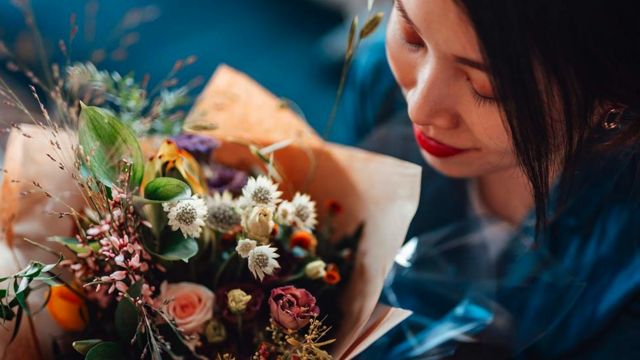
(434, 147)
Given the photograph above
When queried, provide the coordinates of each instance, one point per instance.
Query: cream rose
(189, 304)
(258, 223)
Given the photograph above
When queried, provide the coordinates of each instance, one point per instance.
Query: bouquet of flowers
(246, 236)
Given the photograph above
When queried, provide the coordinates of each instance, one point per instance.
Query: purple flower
(199, 146)
(223, 178)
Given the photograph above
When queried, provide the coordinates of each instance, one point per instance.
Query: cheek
(490, 131)
(401, 61)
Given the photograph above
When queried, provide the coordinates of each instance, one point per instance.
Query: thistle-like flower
(299, 212)
(245, 246)
(262, 261)
(223, 214)
(187, 215)
(260, 191)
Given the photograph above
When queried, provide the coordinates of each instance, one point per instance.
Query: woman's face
(435, 57)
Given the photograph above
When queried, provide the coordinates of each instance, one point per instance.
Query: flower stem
(223, 267)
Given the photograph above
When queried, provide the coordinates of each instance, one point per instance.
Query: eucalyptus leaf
(83, 346)
(107, 142)
(126, 319)
(106, 351)
(371, 25)
(166, 189)
(174, 246)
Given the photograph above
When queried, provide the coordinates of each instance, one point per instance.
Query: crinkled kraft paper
(379, 191)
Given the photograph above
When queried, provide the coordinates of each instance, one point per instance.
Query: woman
(526, 115)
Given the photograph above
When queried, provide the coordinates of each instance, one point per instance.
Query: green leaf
(106, 351)
(166, 189)
(371, 25)
(24, 284)
(126, 319)
(83, 346)
(174, 246)
(32, 270)
(135, 290)
(107, 142)
(74, 245)
(6, 313)
(16, 326)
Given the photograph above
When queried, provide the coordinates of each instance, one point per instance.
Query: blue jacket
(481, 289)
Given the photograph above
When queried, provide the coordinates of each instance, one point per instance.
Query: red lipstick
(434, 147)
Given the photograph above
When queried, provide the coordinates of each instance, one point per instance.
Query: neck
(507, 195)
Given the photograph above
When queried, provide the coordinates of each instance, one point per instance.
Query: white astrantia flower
(245, 246)
(304, 214)
(262, 261)
(223, 213)
(188, 215)
(285, 213)
(260, 191)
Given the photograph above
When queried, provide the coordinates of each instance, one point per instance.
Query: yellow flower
(67, 308)
(238, 301)
(170, 157)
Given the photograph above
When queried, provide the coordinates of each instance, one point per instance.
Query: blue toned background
(283, 44)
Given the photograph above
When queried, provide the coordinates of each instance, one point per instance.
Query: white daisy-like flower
(245, 246)
(304, 214)
(260, 191)
(262, 261)
(187, 215)
(285, 213)
(223, 213)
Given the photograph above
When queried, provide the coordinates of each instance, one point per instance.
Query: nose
(431, 100)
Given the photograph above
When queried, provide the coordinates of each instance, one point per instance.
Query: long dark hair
(555, 65)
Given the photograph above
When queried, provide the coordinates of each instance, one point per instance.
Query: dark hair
(555, 64)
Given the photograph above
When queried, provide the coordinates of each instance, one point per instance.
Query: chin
(454, 168)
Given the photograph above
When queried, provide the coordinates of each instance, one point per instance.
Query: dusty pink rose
(189, 304)
(292, 308)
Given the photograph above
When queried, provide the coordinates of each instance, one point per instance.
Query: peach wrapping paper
(380, 191)
(29, 216)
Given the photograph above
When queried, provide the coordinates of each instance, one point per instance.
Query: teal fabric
(572, 294)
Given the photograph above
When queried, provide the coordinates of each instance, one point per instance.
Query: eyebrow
(471, 63)
(459, 59)
(403, 12)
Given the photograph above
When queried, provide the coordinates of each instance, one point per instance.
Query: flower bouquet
(247, 236)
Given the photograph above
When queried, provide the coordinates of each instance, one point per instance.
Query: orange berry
(67, 308)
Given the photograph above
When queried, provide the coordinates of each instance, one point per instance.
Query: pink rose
(292, 308)
(189, 304)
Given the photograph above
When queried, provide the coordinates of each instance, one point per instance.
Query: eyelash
(411, 44)
(481, 100)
